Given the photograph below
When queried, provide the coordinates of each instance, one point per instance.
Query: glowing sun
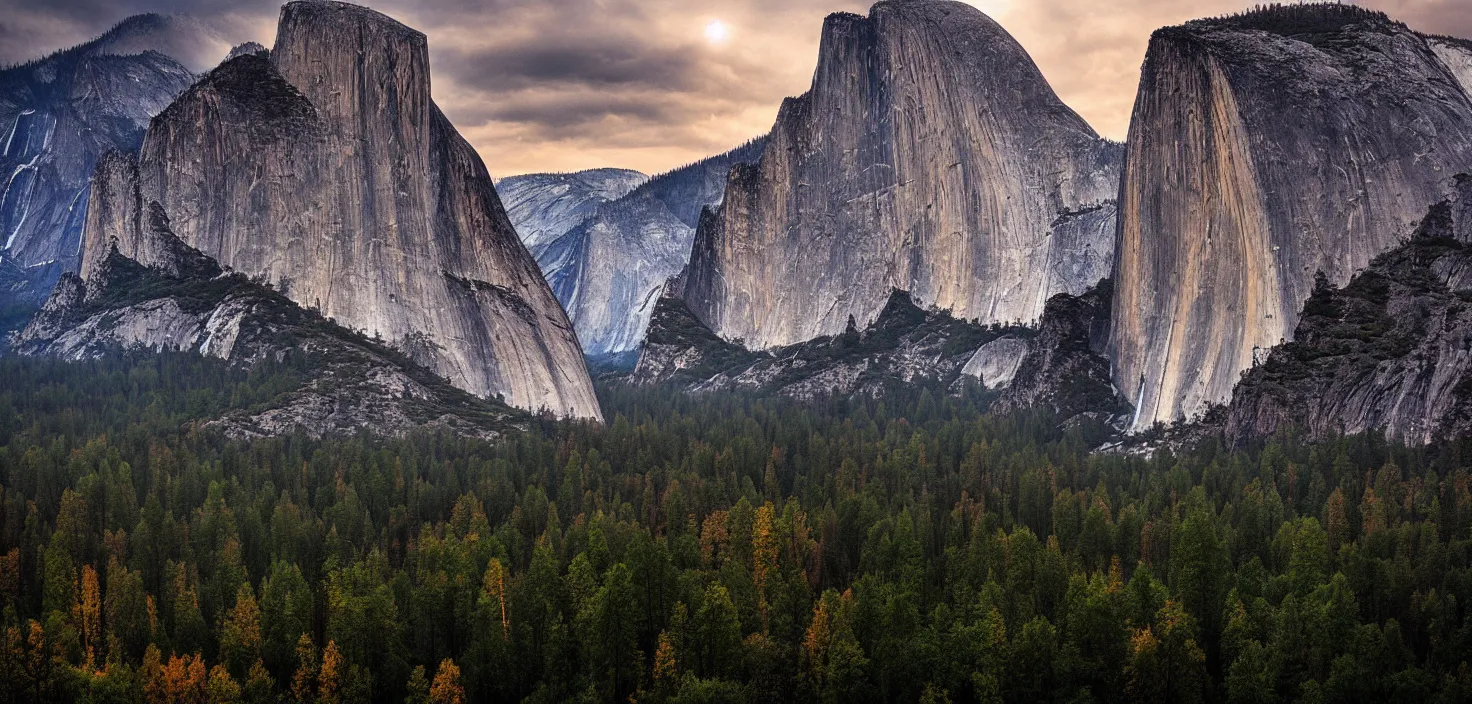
(717, 32)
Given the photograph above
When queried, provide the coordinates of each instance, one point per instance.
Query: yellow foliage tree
(329, 680)
(304, 682)
(87, 612)
(446, 688)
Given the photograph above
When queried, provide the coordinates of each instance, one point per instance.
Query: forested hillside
(710, 548)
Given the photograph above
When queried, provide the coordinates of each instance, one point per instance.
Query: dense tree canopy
(707, 549)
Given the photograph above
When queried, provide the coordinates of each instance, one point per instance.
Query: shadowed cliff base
(906, 344)
(311, 375)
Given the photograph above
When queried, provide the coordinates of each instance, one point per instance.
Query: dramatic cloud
(548, 85)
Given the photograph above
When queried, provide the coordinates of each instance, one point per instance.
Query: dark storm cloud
(600, 61)
(567, 84)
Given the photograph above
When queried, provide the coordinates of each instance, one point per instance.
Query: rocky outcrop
(58, 115)
(929, 155)
(324, 379)
(327, 171)
(608, 268)
(247, 49)
(904, 345)
(1064, 370)
(1264, 149)
(1389, 351)
(544, 207)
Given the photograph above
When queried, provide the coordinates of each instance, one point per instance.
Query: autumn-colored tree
(1372, 512)
(309, 664)
(330, 677)
(713, 538)
(666, 668)
(185, 680)
(87, 614)
(446, 688)
(493, 592)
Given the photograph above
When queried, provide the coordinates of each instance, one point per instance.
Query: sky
(563, 85)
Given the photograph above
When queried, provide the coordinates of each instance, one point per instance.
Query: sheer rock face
(327, 171)
(544, 207)
(59, 114)
(1456, 54)
(1266, 148)
(929, 155)
(184, 302)
(1390, 351)
(615, 262)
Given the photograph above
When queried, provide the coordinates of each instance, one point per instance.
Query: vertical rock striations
(618, 260)
(544, 207)
(1266, 148)
(327, 171)
(929, 155)
(1389, 351)
(59, 114)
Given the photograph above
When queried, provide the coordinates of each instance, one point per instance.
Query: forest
(908, 547)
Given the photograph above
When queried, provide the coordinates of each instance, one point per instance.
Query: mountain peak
(327, 170)
(929, 154)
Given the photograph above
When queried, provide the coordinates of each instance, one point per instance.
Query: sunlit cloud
(544, 85)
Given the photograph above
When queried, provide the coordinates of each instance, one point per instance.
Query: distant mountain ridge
(543, 207)
(608, 267)
(59, 114)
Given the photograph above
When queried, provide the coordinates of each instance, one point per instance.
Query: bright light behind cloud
(716, 32)
(652, 84)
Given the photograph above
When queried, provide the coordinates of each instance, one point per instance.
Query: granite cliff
(543, 207)
(609, 266)
(1265, 149)
(326, 170)
(929, 155)
(317, 377)
(1391, 350)
(59, 114)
